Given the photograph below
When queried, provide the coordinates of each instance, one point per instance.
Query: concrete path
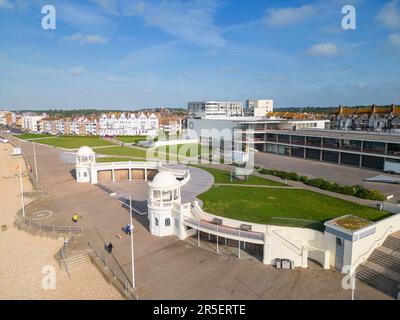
(342, 174)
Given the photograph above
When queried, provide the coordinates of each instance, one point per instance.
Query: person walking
(109, 248)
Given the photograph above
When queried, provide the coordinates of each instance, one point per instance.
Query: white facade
(85, 159)
(129, 124)
(31, 123)
(223, 127)
(259, 108)
(210, 109)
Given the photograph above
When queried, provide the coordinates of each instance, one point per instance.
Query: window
(156, 221)
(85, 174)
(167, 222)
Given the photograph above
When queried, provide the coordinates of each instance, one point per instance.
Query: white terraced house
(131, 124)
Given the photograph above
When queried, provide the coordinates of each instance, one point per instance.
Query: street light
(132, 255)
(34, 160)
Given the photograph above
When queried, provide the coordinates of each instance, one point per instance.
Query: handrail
(224, 229)
(372, 247)
(288, 244)
(124, 281)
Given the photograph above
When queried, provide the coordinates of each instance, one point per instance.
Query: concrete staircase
(382, 269)
(75, 262)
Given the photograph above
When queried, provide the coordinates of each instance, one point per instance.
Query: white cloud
(279, 17)
(192, 21)
(77, 71)
(389, 15)
(323, 49)
(394, 39)
(6, 4)
(86, 39)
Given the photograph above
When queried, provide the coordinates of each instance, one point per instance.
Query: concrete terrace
(167, 268)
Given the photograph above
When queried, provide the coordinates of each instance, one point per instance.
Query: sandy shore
(22, 256)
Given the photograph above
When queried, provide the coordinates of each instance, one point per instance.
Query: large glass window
(298, 140)
(284, 138)
(394, 149)
(330, 156)
(271, 148)
(375, 147)
(373, 162)
(283, 150)
(314, 141)
(351, 145)
(313, 154)
(298, 152)
(271, 137)
(352, 159)
(331, 143)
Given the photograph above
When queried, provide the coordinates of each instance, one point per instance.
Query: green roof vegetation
(260, 205)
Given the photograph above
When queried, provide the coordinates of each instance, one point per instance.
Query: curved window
(167, 222)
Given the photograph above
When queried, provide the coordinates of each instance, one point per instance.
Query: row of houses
(372, 118)
(142, 123)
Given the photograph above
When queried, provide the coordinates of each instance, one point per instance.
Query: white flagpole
(217, 240)
(239, 243)
(34, 159)
(132, 256)
(21, 189)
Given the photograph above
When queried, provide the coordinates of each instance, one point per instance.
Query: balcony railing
(224, 229)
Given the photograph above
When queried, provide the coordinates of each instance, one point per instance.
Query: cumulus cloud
(279, 17)
(389, 15)
(191, 21)
(394, 39)
(86, 39)
(323, 49)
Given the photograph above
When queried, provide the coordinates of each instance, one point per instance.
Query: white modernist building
(131, 124)
(259, 108)
(31, 122)
(210, 109)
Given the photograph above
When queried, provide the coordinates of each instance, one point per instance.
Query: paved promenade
(167, 268)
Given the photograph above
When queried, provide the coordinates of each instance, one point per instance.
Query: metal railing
(45, 228)
(116, 271)
(224, 229)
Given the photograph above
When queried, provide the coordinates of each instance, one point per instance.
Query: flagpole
(132, 256)
(21, 189)
(34, 159)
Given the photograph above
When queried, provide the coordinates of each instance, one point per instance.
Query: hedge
(356, 191)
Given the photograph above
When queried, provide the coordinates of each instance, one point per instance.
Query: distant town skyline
(119, 54)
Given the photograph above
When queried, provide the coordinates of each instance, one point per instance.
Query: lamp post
(132, 254)
(21, 189)
(35, 161)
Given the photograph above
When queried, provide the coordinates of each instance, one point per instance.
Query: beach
(25, 259)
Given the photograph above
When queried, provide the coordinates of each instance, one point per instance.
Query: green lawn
(122, 151)
(28, 136)
(130, 139)
(223, 176)
(117, 159)
(259, 205)
(74, 142)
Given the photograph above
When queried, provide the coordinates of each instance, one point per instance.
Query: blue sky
(134, 54)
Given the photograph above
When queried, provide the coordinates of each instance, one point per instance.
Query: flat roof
(337, 134)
